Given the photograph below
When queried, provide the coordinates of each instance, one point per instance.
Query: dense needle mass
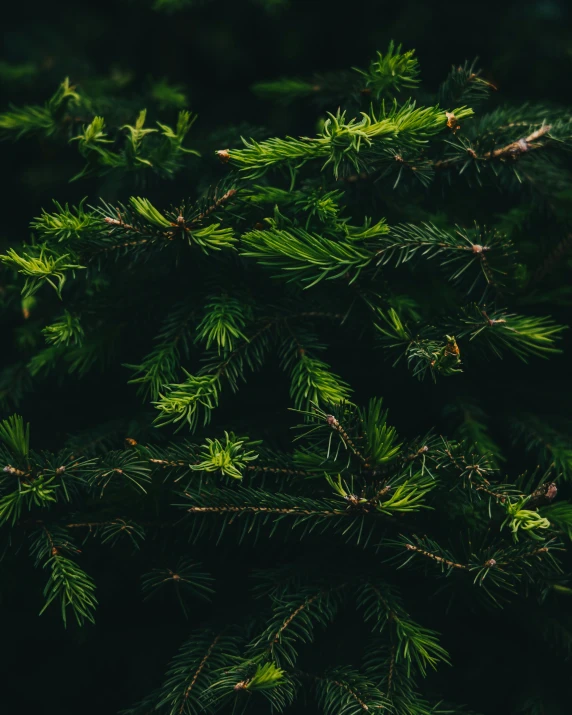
(269, 327)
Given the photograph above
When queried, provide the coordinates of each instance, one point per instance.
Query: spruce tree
(342, 473)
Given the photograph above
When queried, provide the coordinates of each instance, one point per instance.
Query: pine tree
(269, 326)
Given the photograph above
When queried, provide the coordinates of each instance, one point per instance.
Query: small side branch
(216, 205)
(435, 557)
(512, 150)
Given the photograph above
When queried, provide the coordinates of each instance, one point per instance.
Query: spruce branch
(67, 582)
(161, 149)
(187, 578)
(514, 145)
(552, 443)
(293, 620)
(312, 382)
(229, 458)
(35, 119)
(346, 690)
(265, 681)
(159, 367)
(257, 508)
(119, 467)
(417, 646)
(192, 671)
(347, 144)
(392, 71)
(424, 355)
(521, 519)
(524, 336)
(309, 257)
(464, 85)
(66, 223)
(39, 267)
(30, 493)
(117, 529)
(15, 436)
(223, 323)
(66, 331)
(468, 255)
(199, 395)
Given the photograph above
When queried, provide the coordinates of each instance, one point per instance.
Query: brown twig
(228, 509)
(218, 202)
(170, 234)
(344, 686)
(198, 671)
(434, 557)
(334, 423)
(520, 146)
(514, 149)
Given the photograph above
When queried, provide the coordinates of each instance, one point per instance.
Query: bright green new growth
(159, 149)
(39, 268)
(66, 331)
(37, 119)
(228, 457)
(393, 71)
(347, 145)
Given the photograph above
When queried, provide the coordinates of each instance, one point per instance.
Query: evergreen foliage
(259, 321)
